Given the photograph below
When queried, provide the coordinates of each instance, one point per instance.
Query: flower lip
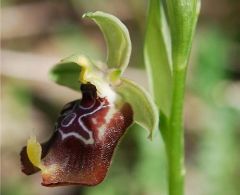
(89, 89)
(81, 148)
(89, 95)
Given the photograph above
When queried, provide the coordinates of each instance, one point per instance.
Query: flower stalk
(175, 136)
(174, 44)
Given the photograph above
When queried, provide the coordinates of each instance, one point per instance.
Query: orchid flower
(88, 129)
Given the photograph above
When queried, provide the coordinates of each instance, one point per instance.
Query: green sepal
(117, 39)
(144, 109)
(68, 71)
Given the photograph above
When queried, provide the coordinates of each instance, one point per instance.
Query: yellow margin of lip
(34, 151)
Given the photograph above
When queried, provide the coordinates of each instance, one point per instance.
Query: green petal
(144, 109)
(117, 38)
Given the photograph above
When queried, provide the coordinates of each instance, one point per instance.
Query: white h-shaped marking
(70, 116)
(90, 140)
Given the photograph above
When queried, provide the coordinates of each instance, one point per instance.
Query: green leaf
(157, 56)
(183, 15)
(67, 71)
(144, 109)
(117, 37)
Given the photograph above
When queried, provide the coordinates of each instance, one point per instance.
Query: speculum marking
(72, 116)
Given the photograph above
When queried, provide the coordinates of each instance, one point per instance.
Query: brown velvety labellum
(81, 148)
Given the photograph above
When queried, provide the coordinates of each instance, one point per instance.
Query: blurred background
(37, 34)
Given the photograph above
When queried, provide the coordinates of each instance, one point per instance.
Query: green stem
(175, 135)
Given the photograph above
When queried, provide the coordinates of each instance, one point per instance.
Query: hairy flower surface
(81, 148)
